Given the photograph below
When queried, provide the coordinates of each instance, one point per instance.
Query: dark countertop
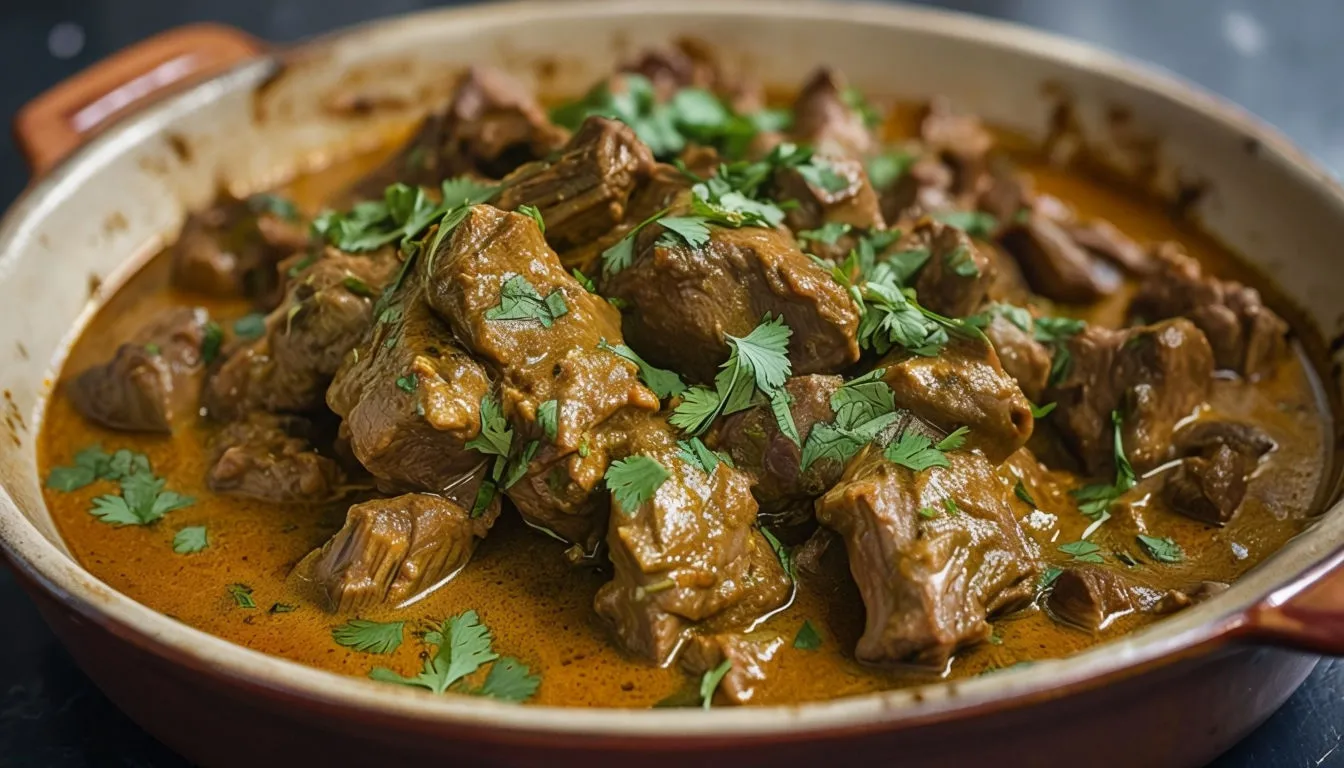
(1280, 59)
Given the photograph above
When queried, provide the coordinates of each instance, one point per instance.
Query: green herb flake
(369, 636)
(633, 481)
(954, 441)
(709, 683)
(1162, 549)
(242, 596)
(533, 213)
(781, 552)
(191, 540)
(1041, 411)
(828, 234)
(695, 452)
(808, 638)
(928, 513)
(887, 168)
(408, 382)
(463, 645)
(691, 230)
(1021, 492)
(1083, 552)
(519, 300)
(212, 339)
(1047, 579)
(915, 452)
(977, 224)
(962, 263)
(250, 326)
(547, 418)
(357, 286)
(143, 500)
(663, 382)
(584, 280)
(283, 608)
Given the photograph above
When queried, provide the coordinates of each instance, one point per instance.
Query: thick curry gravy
(540, 609)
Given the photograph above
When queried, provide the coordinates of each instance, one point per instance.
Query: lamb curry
(677, 395)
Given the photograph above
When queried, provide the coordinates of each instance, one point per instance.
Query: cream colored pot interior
(96, 217)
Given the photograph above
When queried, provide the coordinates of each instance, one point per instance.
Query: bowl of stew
(611, 381)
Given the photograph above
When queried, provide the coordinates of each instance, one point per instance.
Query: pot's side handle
(1308, 615)
(55, 123)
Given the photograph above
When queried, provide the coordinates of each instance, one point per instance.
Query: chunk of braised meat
(754, 442)
(681, 301)
(753, 656)
(151, 382)
(1102, 238)
(1055, 265)
(1155, 376)
(845, 196)
(961, 141)
(410, 398)
(1246, 336)
(1022, 356)
(1089, 597)
(1180, 599)
(823, 118)
(585, 191)
(963, 386)
(687, 555)
(930, 579)
(664, 187)
(691, 64)
(957, 276)
(328, 307)
(562, 359)
(492, 125)
(394, 551)
(232, 248)
(1211, 481)
(271, 457)
(924, 187)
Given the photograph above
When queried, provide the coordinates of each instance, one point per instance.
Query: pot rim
(1198, 629)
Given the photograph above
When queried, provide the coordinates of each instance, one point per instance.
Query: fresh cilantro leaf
(484, 495)
(950, 504)
(757, 362)
(928, 512)
(891, 318)
(781, 552)
(863, 408)
(855, 100)
(709, 683)
(518, 467)
(695, 452)
(369, 636)
(828, 233)
(974, 223)
(283, 608)
(191, 540)
(1060, 365)
(698, 408)
(519, 300)
(211, 341)
(124, 463)
(954, 440)
(1055, 330)
(1095, 500)
(509, 680)
(764, 353)
(90, 464)
(915, 452)
(1162, 549)
(273, 204)
(1018, 316)
(808, 638)
(887, 168)
(689, 229)
(242, 596)
(1041, 411)
(535, 214)
(402, 214)
(408, 382)
(820, 174)
(584, 280)
(1082, 551)
(663, 382)
(464, 646)
(142, 501)
(1021, 492)
(1047, 579)
(862, 399)
(548, 418)
(622, 254)
(962, 263)
(466, 191)
(250, 326)
(357, 286)
(633, 481)
(780, 405)
(496, 437)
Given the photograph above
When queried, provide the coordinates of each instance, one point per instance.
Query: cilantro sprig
(1095, 500)
(863, 408)
(755, 371)
(634, 480)
(663, 382)
(402, 214)
(462, 646)
(369, 636)
(520, 300)
(142, 499)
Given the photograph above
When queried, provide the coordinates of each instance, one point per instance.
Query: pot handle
(1307, 615)
(54, 124)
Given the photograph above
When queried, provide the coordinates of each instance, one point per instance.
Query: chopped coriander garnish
(191, 540)
(369, 636)
(757, 362)
(297, 267)
(402, 214)
(152, 349)
(622, 254)
(548, 418)
(92, 464)
(974, 223)
(519, 300)
(535, 214)
(808, 638)
(464, 645)
(950, 506)
(142, 501)
(885, 169)
(694, 451)
(690, 230)
(517, 467)
(1054, 330)
(633, 481)
(484, 495)
(1021, 492)
(1162, 549)
(273, 204)
(863, 408)
(962, 263)
(915, 452)
(710, 682)
(1041, 411)
(1047, 579)
(212, 339)
(781, 552)
(928, 513)
(496, 437)
(242, 596)
(408, 382)
(954, 440)
(1082, 551)
(584, 280)
(663, 382)
(283, 608)
(466, 191)
(1095, 500)
(250, 326)
(828, 234)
